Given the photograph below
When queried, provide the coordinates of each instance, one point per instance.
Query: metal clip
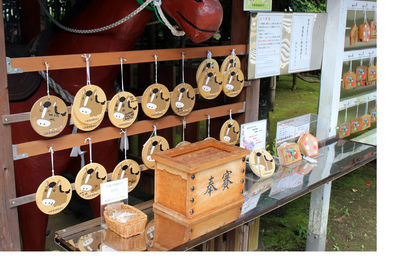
(11, 70)
(15, 154)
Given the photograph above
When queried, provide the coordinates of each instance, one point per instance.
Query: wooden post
(328, 113)
(9, 230)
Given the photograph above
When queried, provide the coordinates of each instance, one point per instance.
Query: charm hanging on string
(154, 144)
(183, 142)
(208, 63)
(262, 163)
(230, 131)
(49, 114)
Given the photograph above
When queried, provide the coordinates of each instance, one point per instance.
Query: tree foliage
(299, 5)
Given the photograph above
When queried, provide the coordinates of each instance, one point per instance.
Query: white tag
(253, 135)
(113, 191)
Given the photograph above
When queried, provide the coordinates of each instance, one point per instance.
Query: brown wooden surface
(29, 64)
(9, 230)
(72, 140)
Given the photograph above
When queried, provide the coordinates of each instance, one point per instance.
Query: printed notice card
(268, 44)
(253, 135)
(300, 42)
(114, 191)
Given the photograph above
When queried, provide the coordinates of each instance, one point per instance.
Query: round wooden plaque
(183, 99)
(156, 100)
(82, 126)
(229, 62)
(90, 104)
(123, 109)
(154, 144)
(230, 132)
(208, 63)
(49, 116)
(127, 169)
(53, 195)
(233, 82)
(262, 163)
(183, 143)
(88, 180)
(210, 84)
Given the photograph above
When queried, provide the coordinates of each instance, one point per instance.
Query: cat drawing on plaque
(233, 82)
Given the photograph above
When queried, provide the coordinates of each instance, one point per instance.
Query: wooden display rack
(246, 107)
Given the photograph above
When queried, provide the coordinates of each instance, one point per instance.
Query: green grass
(352, 212)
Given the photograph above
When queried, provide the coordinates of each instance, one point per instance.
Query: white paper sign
(113, 191)
(292, 128)
(253, 135)
(301, 42)
(268, 44)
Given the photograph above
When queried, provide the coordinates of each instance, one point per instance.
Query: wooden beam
(29, 64)
(39, 147)
(9, 230)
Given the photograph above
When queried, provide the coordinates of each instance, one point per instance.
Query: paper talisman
(308, 144)
(233, 82)
(123, 109)
(289, 153)
(349, 80)
(183, 99)
(208, 63)
(127, 169)
(90, 104)
(353, 35)
(365, 122)
(154, 144)
(210, 84)
(49, 116)
(373, 29)
(364, 32)
(361, 75)
(229, 62)
(344, 129)
(230, 132)
(262, 163)
(53, 194)
(156, 100)
(88, 180)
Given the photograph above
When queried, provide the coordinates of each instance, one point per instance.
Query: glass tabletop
(336, 158)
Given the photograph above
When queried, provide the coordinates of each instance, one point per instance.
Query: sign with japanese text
(253, 135)
(257, 5)
(114, 191)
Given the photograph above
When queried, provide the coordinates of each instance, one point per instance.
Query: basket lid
(200, 156)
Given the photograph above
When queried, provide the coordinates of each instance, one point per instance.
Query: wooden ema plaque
(289, 153)
(233, 82)
(208, 63)
(127, 169)
(198, 182)
(308, 144)
(361, 75)
(349, 80)
(229, 62)
(183, 99)
(365, 122)
(373, 29)
(364, 33)
(154, 144)
(156, 100)
(123, 109)
(371, 74)
(356, 125)
(353, 35)
(88, 180)
(210, 84)
(49, 116)
(230, 132)
(261, 163)
(344, 129)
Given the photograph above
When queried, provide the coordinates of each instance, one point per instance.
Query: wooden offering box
(197, 180)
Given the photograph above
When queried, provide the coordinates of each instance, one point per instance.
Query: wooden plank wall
(9, 230)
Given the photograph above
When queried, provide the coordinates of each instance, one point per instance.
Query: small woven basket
(129, 228)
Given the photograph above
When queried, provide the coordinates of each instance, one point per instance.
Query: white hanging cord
(174, 31)
(122, 73)
(47, 78)
(351, 66)
(208, 125)
(365, 15)
(355, 13)
(233, 52)
(366, 106)
(155, 67)
(361, 62)
(209, 54)
(357, 109)
(90, 148)
(87, 57)
(345, 114)
(183, 67)
(183, 129)
(52, 160)
(230, 114)
(125, 139)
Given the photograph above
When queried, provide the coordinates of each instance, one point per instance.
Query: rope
(65, 95)
(174, 31)
(96, 30)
